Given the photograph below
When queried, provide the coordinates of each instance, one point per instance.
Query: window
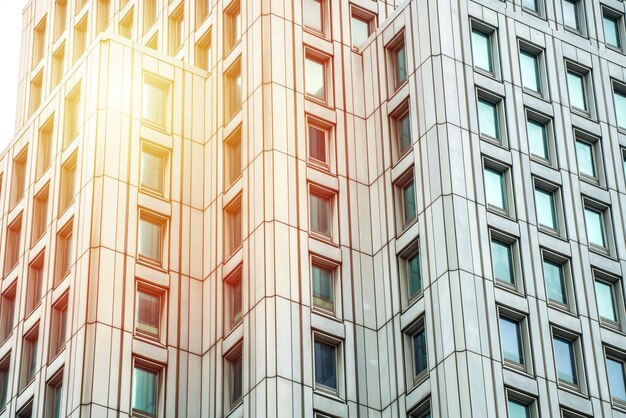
(60, 17)
(68, 183)
(422, 410)
(233, 223)
(80, 37)
(35, 283)
(58, 328)
(127, 25)
(204, 51)
(35, 93)
(320, 204)
(233, 376)
(319, 143)
(155, 101)
(73, 115)
(545, 206)
(511, 340)
(39, 42)
(596, 225)
(578, 88)
(496, 186)
(5, 365)
(612, 22)
(398, 62)
(539, 139)
(531, 68)
(323, 282)
(148, 312)
(315, 76)
(44, 154)
(483, 47)
(13, 247)
(151, 236)
(233, 298)
(64, 252)
(573, 15)
(520, 406)
(177, 29)
(202, 11)
(489, 117)
(361, 23)
(531, 5)
(29, 357)
(556, 276)
(566, 358)
(410, 269)
(400, 123)
(78, 6)
(619, 100)
(502, 259)
(232, 158)
(313, 15)
(153, 42)
(58, 66)
(153, 168)
(233, 94)
(606, 299)
(232, 26)
(145, 389)
(420, 357)
(325, 354)
(18, 183)
(587, 156)
(149, 14)
(616, 373)
(7, 313)
(104, 15)
(54, 396)
(405, 201)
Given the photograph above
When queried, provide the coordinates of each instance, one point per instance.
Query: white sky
(10, 33)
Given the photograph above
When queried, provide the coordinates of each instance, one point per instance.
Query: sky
(10, 33)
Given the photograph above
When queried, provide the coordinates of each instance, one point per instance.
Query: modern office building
(316, 208)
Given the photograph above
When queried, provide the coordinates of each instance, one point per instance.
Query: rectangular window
(565, 358)
(422, 410)
(233, 376)
(572, 15)
(233, 224)
(577, 88)
(318, 138)
(34, 284)
(58, 328)
(405, 201)
(39, 42)
(323, 281)
(149, 14)
(313, 15)
(325, 365)
(127, 25)
(153, 42)
(233, 298)
(619, 100)
(104, 15)
(64, 253)
(44, 152)
(18, 183)
(204, 51)
(68, 183)
(148, 313)
(596, 227)
(145, 390)
(531, 5)
(502, 261)
(5, 365)
(400, 122)
(554, 276)
(546, 210)
(519, 408)
(29, 357)
(13, 244)
(177, 29)
(60, 18)
(482, 49)
(538, 138)
(496, 194)
(80, 37)
(7, 313)
(233, 95)
(155, 101)
(58, 66)
(511, 340)
(35, 93)
(585, 155)
(54, 396)
(150, 238)
(612, 22)
(361, 23)
(399, 63)
(315, 76)
(73, 116)
(489, 119)
(616, 373)
(233, 157)
(420, 357)
(606, 300)
(531, 67)
(153, 169)
(320, 205)
(411, 272)
(202, 11)
(232, 26)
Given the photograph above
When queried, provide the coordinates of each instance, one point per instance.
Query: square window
(149, 14)
(154, 161)
(7, 313)
(567, 357)
(233, 298)
(5, 381)
(573, 15)
(35, 284)
(483, 47)
(502, 260)
(233, 95)
(155, 108)
(578, 88)
(148, 312)
(616, 373)
(619, 101)
(29, 357)
(232, 26)
(232, 158)
(313, 15)
(177, 29)
(73, 115)
(204, 51)
(44, 152)
(233, 376)
(54, 396)
(127, 25)
(80, 37)
(151, 237)
(145, 398)
(233, 224)
(39, 42)
(13, 244)
(315, 76)
(612, 24)
(18, 176)
(323, 283)
(58, 327)
(68, 183)
(325, 354)
(400, 122)
(60, 18)
(35, 93)
(40, 215)
(64, 253)
(489, 118)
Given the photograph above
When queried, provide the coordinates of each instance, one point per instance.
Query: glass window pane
(400, 64)
(315, 78)
(360, 31)
(145, 392)
(325, 364)
(236, 371)
(408, 200)
(317, 144)
(617, 379)
(518, 409)
(150, 239)
(152, 171)
(414, 275)
(605, 300)
(320, 215)
(404, 133)
(611, 31)
(595, 227)
(576, 87)
(538, 139)
(531, 5)
(154, 103)
(495, 188)
(584, 155)
(565, 360)
(502, 261)
(481, 47)
(148, 313)
(313, 14)
(546, 213)
(57, 401)
(511, 340)
(570, 14)
(419, 351)
(488, 123)
(529, 64)
(323, 288)
(555, 281)
(619, 98)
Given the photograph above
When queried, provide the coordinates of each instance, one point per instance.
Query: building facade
(316, 208)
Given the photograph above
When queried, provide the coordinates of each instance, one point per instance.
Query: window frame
(395, 117)
(595, 143)
(237, 351)
(617, 356)
(540, 12)
(498, 103)
(326, 61)
(230, 210)
(334, 269)
(19, 177)
(163, 222)
(413, 380)
(233, 105)
(365, 16)
(403, 257)
(555, 191)
(73, 115)
(522, 398)
(30, 347)
(339, 363)
(539, 53)
(578, 360)
(156, 82)
(525, 344)
(236, 136)
(52, 385)
(64, 244)
(607, 226)
(548, 124)
(516, 270)
(391, 51)
(58, 340)
(330, 195)
(13, 244)
(164, 154)
(229, 281)
(564, 263)
(505, 171)
(41, 214)
(400, 185)
(492, 33)
(619, 88)
(69, 176)
(142, 286)
(324, 31)
(328, 129)
(585, 75)
(580, 18)
(615, 283)
(45, 145)
(35, 290)
(618, 17)
(232, 13)
(157, 369)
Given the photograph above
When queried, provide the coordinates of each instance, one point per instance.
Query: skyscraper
(316, 208)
